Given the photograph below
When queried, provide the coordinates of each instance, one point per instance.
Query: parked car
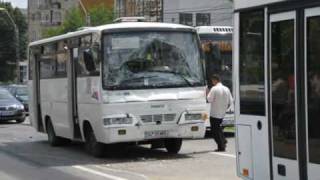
(10, 107)
(20, 92)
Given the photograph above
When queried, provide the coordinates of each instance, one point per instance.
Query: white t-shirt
(220, 99)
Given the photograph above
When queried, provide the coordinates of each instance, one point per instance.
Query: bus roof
(116, 26)
(214, 29)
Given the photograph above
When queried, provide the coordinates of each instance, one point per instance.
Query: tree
(100, 15)
(75, 19)
(8, 41)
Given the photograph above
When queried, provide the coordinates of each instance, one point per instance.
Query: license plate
(6, 113)
(156, 134)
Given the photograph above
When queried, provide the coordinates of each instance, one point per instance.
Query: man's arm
(230, 102)
(210, 96)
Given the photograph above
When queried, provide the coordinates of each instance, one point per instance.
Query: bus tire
(52, 138)
(173, 146)
(93, 147)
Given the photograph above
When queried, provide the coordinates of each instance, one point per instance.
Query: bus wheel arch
(92, 146)
(53, 139)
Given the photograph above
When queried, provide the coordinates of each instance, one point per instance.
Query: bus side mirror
(89, 60)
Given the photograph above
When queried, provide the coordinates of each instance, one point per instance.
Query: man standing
(221, 100)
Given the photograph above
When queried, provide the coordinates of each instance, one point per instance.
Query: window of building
(33, 17)
(251, 62)
(203, 19)
(186, 19)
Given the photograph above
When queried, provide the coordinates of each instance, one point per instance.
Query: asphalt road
(26, 155)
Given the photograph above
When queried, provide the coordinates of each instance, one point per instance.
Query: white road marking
(223, 154)
(123, 171)
(99, 173)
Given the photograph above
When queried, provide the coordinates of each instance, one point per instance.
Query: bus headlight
(193, 117)
(196, 116)
(120, 120)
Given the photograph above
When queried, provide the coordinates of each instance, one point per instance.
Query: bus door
(35, 75)
(250, 95)
(283, 95)
(72, 91)
(312, 89)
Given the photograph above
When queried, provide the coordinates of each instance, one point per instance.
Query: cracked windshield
(151, 60)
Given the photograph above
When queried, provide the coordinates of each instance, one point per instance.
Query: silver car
(10, 107)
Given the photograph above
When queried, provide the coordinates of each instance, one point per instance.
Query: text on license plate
(156, 134)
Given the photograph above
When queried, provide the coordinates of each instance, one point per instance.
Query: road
(26, 155)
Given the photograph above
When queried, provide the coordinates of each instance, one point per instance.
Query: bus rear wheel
(93, 147)
(52, 138)
(173, 146)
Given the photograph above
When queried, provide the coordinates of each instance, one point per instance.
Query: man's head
(215, 79)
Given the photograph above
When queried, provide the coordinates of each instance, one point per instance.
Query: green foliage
(75, 19)
(53, 32)
(100, 15)
(8, 42)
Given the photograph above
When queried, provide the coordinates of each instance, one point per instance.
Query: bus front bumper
(153, 132)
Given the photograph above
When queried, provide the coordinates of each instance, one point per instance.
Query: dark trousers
(217, 132)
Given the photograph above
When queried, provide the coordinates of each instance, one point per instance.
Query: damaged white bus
(125, 82)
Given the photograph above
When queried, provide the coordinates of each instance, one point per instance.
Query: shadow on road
(226, 134)
(41, 154)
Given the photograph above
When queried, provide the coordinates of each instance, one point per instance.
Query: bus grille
(158, 117)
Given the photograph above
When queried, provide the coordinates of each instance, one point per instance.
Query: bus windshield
(144, 60)
(218, 55)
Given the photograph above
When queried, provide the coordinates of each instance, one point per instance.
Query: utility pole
(16, 33)
(88, 19)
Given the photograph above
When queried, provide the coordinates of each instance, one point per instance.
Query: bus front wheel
(173, 146)
(52, 138)
(91, 145)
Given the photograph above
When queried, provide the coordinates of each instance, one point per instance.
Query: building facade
(44, 14)
(198, 13)
(152, 10)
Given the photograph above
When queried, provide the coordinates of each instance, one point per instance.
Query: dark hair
(215, 77)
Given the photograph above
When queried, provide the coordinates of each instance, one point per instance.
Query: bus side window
(48, 62)
(86, 48)
(62, 58)
(81, 65)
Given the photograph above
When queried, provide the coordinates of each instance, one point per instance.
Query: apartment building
(152, 10)
(198, 12)
(44, 14)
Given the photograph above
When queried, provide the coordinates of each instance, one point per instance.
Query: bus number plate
(155, 134)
